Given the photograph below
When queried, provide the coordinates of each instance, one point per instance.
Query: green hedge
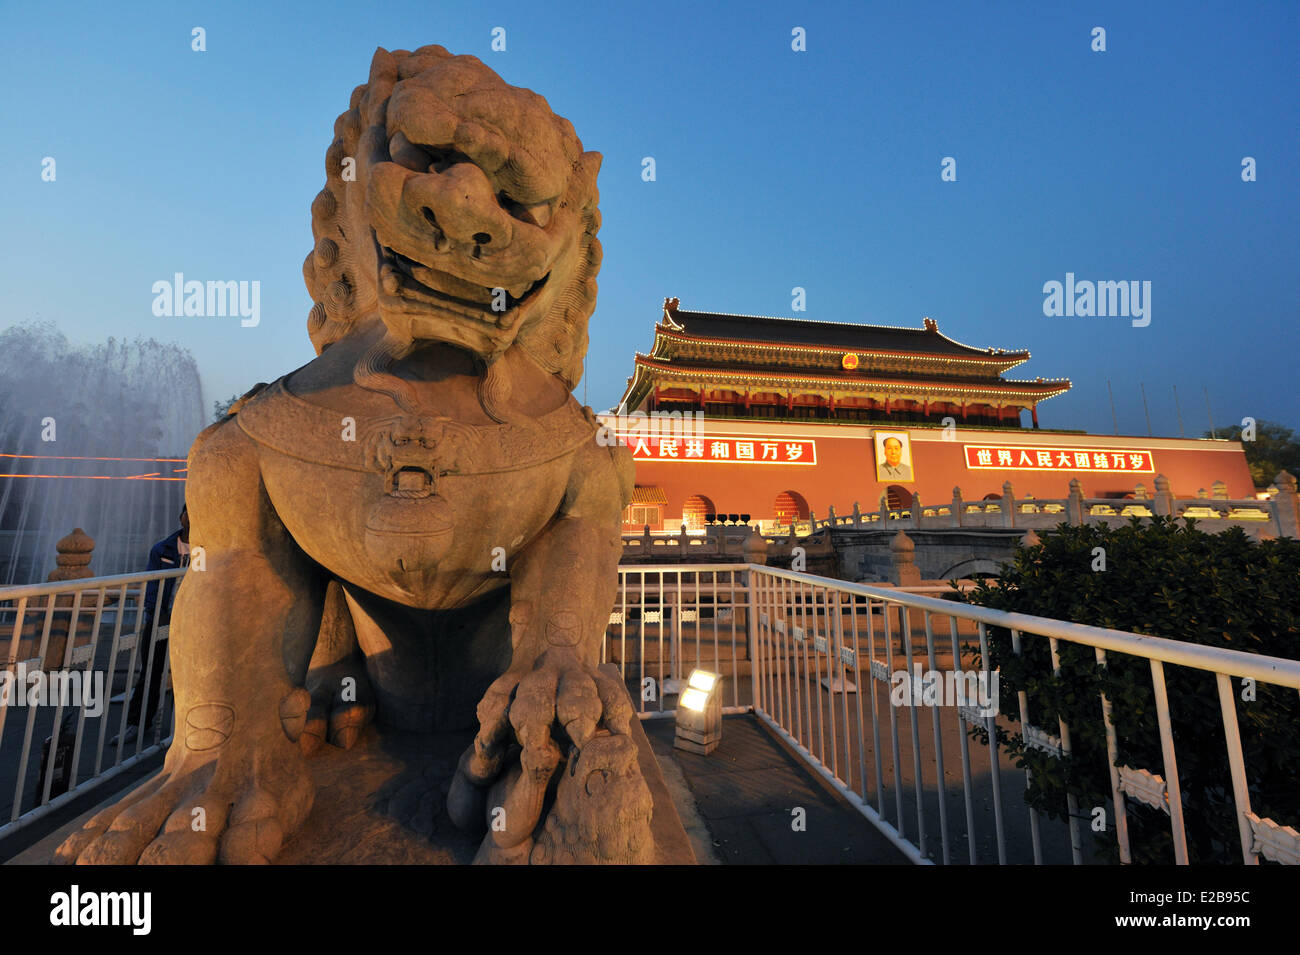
(1163, 578)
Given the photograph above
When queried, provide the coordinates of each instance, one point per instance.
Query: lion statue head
(457, 209)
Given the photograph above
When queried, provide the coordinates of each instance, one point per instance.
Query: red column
(1033, 412)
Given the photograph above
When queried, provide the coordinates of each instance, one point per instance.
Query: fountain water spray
(91, 436)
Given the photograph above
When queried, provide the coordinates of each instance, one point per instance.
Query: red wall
(845, 469)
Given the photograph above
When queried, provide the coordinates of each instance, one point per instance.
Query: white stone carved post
(857, 515)
(1008, 505)
(903, 570)
(1140, 492)
(884, 509)
(754, 548)
(916, 511)
(1286, 506)
(1074, 503)
(1219, 490)
(957, 507)
(830, 516)
(1164, 500)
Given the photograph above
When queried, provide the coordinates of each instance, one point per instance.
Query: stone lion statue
(419, 523)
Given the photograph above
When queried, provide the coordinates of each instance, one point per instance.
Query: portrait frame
(905, 473)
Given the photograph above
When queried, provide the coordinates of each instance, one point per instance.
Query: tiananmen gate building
(772, 418)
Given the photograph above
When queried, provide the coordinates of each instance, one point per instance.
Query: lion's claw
(341, 706)
(237, 809)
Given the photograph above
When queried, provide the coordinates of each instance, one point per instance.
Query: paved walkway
(745, 794)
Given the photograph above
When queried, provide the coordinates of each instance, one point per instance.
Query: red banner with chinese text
(721, 449)
(993, 457)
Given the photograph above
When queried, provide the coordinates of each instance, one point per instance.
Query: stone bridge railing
(1277, 516)
(721, 543)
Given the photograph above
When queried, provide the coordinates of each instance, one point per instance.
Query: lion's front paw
(237, 808)
(559, 698)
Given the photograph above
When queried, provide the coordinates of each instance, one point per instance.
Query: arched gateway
(790, 506)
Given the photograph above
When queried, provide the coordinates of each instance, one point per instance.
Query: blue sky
(775, 169)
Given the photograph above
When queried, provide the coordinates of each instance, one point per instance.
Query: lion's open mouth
(403, 276)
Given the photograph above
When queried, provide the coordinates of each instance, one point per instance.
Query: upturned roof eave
(1003, 362)
(1054, 387)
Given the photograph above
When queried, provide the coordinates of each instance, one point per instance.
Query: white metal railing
(820, 659)
(668, 620)
(814, 658)
(74, 633)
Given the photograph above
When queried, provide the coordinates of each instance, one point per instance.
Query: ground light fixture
(699, 713)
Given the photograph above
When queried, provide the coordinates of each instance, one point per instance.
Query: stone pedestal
(383, 803)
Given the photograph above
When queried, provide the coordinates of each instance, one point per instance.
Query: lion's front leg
(234, 785)
(559, 713)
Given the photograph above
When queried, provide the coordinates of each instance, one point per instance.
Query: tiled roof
(797, 331)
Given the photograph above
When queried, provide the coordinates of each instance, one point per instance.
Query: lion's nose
(461, 208)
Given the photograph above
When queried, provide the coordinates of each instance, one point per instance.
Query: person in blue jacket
(171, 552)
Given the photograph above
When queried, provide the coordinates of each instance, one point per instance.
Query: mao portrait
(893, 456)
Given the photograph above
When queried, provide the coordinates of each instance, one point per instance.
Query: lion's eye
(421, 157)
(537, 213)
(441, 158)
(405, 153)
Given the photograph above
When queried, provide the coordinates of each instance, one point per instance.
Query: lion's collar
(280, 420)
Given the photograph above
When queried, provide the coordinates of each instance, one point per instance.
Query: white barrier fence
(818, 661)
(72, 646)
